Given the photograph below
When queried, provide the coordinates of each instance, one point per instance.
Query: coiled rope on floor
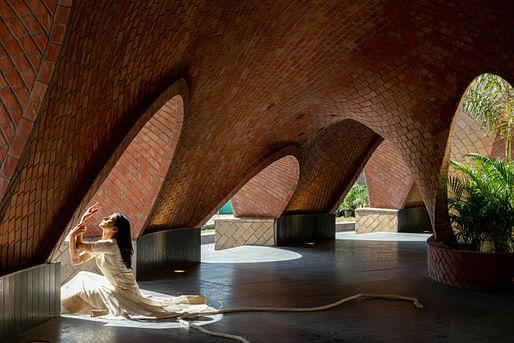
(183, 319)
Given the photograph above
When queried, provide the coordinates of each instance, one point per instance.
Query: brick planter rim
(469, 269)
(432, 242)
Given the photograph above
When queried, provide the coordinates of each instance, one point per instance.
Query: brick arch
(468, 136)
(31, 36)
(246, 175)
(40, 234)
(133, 184)
(178, 91)
(465, 136)
(268, 193)
(399, 70)
(413, 198)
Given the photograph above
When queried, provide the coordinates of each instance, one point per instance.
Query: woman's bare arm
(76, 238)
(76, 257)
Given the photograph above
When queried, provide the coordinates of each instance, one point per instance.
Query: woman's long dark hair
(124, 239)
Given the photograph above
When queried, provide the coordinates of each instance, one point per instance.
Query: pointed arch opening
(133, 184)
(467, 135)
(257, 201)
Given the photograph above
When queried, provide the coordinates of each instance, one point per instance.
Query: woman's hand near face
(89, 212)
(78, 230)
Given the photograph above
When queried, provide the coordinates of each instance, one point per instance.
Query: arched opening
(471, 135)
(469, 207)
(257, 202)
(133, 184)
(391, 186)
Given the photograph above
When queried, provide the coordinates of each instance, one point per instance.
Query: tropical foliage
(357, 197)
(481, 202)
(490, 100)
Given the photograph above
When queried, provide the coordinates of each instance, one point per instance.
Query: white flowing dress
(116, 293)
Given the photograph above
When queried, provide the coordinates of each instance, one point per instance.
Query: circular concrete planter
(469, 269)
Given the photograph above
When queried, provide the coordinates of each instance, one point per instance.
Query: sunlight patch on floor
(384, 236)
(246, 254)
(147, 323)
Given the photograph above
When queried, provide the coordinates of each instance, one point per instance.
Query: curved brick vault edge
(443, 228)
(37, 98)
(87, 191)
(249, 173)
(259, 194)
(346, 185)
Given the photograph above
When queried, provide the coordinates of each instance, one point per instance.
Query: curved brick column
(388, 178)
(268, 193)
(323, 183)
(469, 269)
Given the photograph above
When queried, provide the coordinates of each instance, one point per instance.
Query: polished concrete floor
(311, 275)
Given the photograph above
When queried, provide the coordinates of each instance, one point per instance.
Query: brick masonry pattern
(369, 220)
(257, 86)
(133, 184)
(268, 193)
(468, 269)
(31, 37)
(388, 178)
(238, 232)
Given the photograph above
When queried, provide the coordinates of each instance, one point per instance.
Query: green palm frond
(490, 100)
(481, 201)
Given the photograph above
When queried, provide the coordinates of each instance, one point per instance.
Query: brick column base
(376, 220)
(235, 232)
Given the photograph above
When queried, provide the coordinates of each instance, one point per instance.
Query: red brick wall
(31, 36)
(388, 178)
(468, 137)
(413, 198)
(260, 78)
(135, 180)
(498, 149)
(269, 192)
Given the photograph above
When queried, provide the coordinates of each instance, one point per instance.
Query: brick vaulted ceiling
(256, 78)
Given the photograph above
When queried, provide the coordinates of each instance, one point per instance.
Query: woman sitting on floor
(116, 293)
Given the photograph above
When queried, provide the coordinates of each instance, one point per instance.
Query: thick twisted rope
(182, 319)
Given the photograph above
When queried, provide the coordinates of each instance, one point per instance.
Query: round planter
(469, 269)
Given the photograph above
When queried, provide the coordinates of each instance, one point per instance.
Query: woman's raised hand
(89, 212)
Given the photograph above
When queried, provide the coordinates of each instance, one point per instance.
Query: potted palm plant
(481, 205)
